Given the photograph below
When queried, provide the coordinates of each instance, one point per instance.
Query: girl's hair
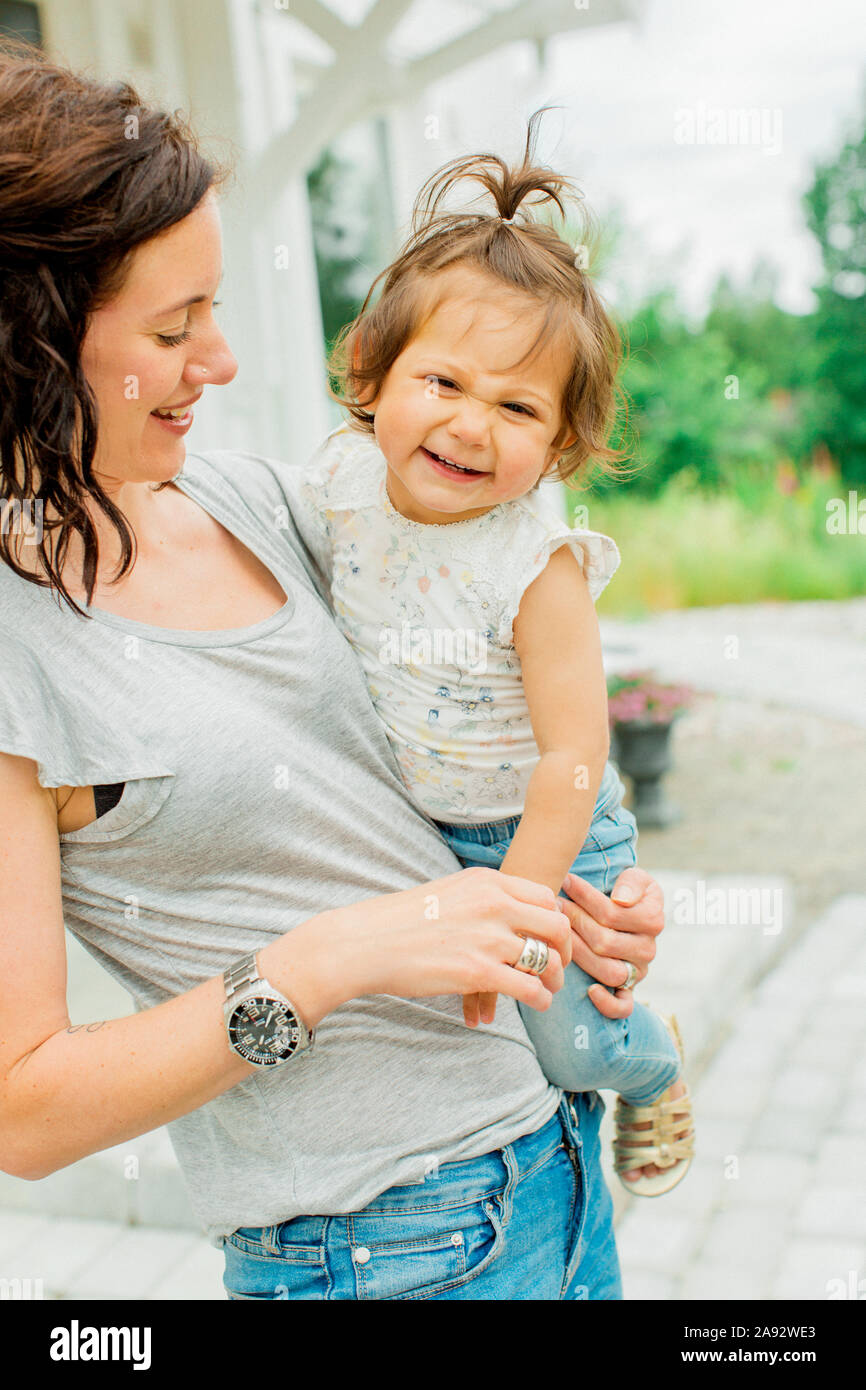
(87, 174)
(528, 255)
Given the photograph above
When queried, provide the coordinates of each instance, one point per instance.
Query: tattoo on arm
(88, 1027)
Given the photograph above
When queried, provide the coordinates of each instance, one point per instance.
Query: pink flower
(640, 696)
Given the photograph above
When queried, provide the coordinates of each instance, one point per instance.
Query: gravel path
(770, 763)
(766, 790)
(809, 656)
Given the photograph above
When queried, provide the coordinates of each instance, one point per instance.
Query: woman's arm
(66, 1092)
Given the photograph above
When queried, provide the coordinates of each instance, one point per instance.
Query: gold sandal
(668, 1143)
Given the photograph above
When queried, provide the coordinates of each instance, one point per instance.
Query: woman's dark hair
(87, 174)
(515, 246)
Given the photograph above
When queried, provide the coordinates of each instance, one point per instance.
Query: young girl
(487, 364)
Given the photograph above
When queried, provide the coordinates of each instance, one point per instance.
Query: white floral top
(429, 611)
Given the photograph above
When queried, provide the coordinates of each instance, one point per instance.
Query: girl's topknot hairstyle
(524, 252)
(87, 174)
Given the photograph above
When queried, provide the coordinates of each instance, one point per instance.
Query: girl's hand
(610, 933)
(456, 935)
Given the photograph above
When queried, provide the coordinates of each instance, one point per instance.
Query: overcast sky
(700, 207)
(691, 209)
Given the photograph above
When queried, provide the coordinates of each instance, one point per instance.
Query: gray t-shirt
(260, 790)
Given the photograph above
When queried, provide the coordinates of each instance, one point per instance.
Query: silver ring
(534, 957)
(630, 977)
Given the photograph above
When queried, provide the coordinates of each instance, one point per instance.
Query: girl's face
(154, 347)
(463, 429)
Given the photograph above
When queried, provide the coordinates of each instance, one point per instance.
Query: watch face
(264, 1031)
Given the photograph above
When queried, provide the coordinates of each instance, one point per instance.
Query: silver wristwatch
(264, 1027)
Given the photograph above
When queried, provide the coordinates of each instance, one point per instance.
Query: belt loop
(510, 1162)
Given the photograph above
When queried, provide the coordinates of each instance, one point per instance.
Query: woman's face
(154, 347)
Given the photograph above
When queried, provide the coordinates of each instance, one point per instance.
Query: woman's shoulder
(241, 478)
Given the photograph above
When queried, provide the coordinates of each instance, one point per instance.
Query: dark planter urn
(641, 749)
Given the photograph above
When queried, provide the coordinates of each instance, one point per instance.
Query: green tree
(692, 410)
(773, 347)
(835, 208)
(340, 233)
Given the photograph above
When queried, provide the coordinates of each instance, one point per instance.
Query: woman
(193, 778)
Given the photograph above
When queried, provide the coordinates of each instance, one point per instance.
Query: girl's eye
(515, 405)
(438, 381)
(174, 339)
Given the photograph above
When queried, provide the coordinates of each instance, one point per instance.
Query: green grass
(687, 549)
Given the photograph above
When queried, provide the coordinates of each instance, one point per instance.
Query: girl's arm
(557, 639)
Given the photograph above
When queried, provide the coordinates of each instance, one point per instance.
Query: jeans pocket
(422, 1253)
(259, 1266)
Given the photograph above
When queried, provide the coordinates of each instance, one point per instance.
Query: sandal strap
(638, 1114)
(672, 1123)
(669, 1139)
(665, 1155)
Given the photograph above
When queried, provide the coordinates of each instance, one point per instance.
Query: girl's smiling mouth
(451, 469)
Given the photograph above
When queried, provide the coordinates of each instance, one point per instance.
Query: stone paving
(774, 1206)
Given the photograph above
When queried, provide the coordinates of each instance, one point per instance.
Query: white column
(277, 404)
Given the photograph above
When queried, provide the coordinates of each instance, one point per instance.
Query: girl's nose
(470, 423)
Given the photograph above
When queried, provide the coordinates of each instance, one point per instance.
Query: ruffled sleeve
(342, 475)
(537, 536)
(40, 719)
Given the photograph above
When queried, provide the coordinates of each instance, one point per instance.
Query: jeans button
(361, 1255)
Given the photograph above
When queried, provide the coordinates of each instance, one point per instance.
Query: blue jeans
(532, 1220)
(578, 1048)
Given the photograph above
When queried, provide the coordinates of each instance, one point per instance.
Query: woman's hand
(606, 932)
(456, 935)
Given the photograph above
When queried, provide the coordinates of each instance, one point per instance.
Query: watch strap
(243, 972)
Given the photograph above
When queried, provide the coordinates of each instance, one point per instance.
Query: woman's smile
(176, 418)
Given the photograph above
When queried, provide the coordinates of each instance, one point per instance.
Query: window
(20, 20)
